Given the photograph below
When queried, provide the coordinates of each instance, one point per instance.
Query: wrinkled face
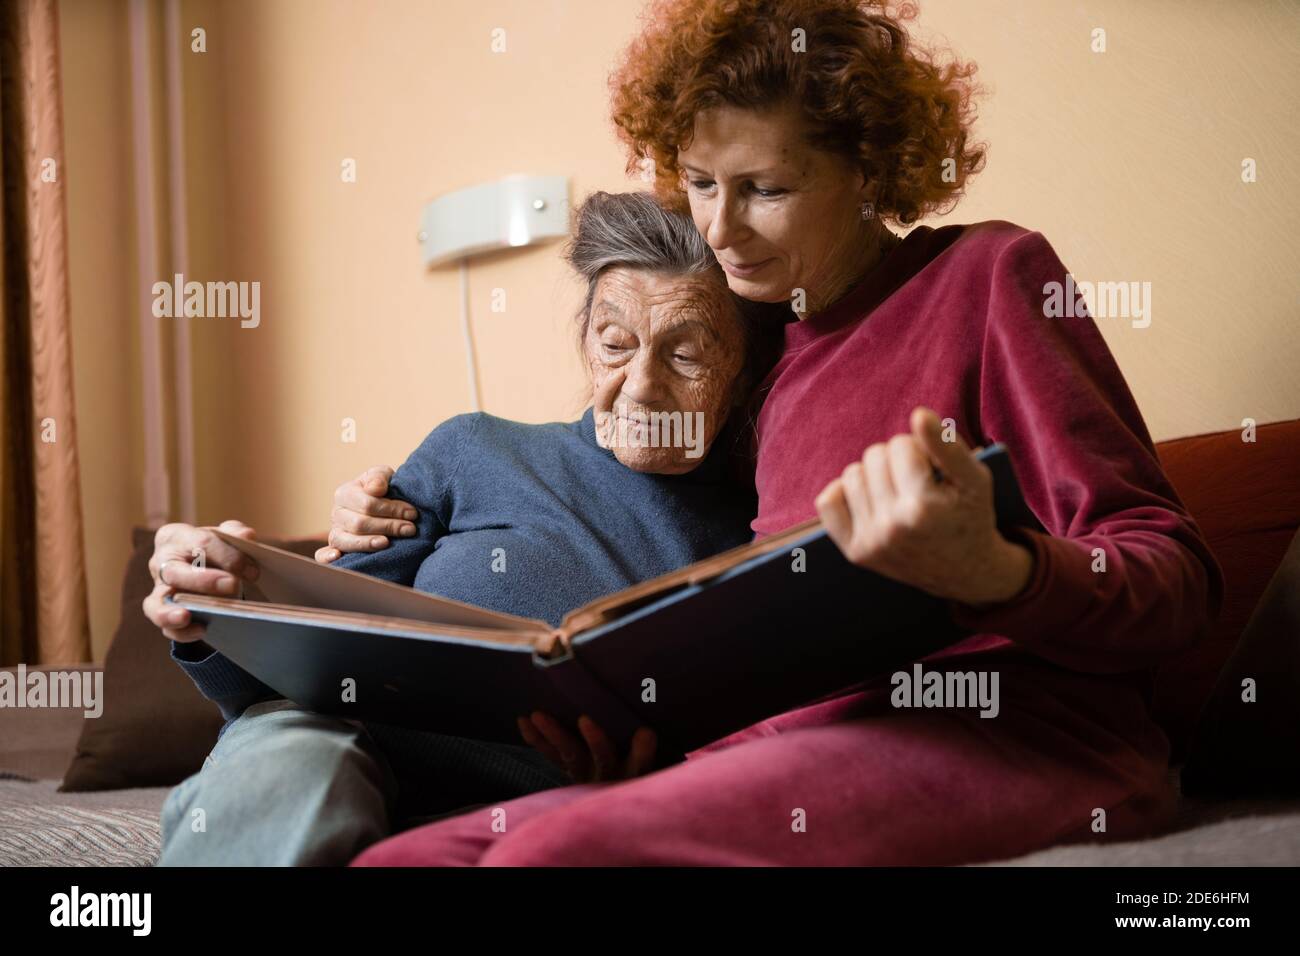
(664, 353)
(763, 198)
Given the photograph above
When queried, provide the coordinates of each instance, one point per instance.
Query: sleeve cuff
(218, 678)
(1059, 591)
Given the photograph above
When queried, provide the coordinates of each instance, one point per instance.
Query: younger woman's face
(664, 353)
(762, 197)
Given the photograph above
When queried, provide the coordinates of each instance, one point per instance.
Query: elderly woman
(574, 510)
(795, 131)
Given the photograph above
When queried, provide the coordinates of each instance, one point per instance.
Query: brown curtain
(43, 616)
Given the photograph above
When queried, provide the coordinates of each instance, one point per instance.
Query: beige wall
(1128, 161)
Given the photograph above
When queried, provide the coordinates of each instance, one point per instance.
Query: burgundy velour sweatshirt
(953, 319)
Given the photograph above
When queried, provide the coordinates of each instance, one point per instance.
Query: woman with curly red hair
(796, 132)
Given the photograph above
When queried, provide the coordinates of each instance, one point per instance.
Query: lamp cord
(470, 358)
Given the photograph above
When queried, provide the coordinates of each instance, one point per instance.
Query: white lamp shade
(515, 211)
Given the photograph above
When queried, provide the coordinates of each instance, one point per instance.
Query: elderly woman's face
(664, 353)
(763, 198)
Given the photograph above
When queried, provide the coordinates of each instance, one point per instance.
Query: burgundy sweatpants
(852, 780)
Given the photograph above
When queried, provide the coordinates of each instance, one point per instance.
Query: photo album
(694, 654)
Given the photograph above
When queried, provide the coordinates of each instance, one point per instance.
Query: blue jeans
(285, 786)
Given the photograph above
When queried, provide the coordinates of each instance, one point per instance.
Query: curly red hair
(866, 91)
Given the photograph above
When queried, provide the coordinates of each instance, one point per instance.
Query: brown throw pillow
(156, 728)
(1246, 748)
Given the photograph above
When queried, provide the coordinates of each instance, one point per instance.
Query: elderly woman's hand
(593, 758)
(887, 512)
(363, 518)
(175, 547)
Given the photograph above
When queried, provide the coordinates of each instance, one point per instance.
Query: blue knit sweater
(533, 520)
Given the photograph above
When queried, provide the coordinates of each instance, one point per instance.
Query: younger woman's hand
(590, 759)
(363, 518)
(887, 512)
